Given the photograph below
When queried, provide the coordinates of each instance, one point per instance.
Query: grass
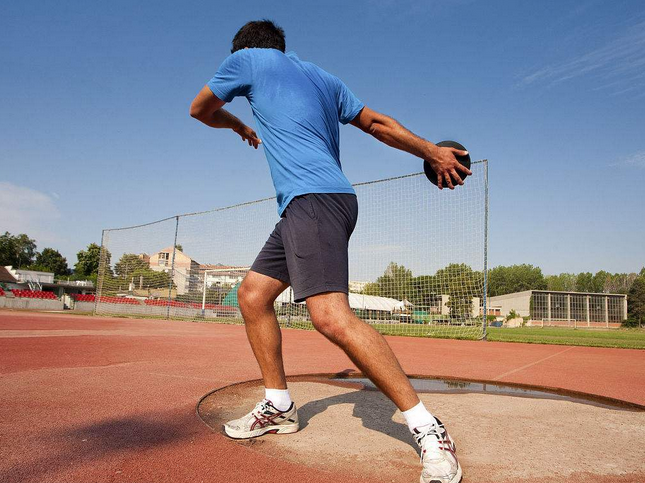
(619, 338)
(436, 331)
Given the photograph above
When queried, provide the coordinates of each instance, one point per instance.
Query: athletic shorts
(308, 247)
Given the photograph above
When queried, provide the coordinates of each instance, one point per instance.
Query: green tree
(148, 278)
(564, 282)
(620, 282)
(372, 289)
(128, 264)
(394, 283)
(50, 260)
(636, 300)
(515, 278)
(600, 280)
(461, 283)
(424, 291)
(88, 261)
(584, 282)
(18, 251)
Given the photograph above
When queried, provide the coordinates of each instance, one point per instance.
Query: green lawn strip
(634, 339)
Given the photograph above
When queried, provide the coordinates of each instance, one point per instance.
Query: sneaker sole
(278, 429)
(456, 479)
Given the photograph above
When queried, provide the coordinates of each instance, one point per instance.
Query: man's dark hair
(260, 34)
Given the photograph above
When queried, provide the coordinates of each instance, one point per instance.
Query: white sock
(418, 417)
(279, 398)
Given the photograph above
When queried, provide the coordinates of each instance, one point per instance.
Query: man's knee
(333, 329)
(333, 320)
(250, 297)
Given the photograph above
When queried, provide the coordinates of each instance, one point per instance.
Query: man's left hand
(247, 134)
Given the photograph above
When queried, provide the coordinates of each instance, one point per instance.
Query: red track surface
(87, 399)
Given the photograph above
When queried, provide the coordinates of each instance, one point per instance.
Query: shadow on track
(373, 408)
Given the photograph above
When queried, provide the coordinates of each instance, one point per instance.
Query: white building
(33, 278)
(548, 307)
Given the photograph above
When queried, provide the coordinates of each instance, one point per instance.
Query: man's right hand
(444, 162)
(390, 132)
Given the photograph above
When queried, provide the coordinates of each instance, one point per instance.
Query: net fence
(417, 261)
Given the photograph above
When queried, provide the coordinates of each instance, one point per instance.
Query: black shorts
(308, 247)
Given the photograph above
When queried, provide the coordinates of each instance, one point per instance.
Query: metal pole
(289, 306)
(206, 272)
(172, 267)
(485, 299)
(204, 295)
(101, 274)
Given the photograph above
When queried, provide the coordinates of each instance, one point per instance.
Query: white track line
(532, 364)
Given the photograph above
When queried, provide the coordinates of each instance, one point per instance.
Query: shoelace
(435, 433)
(260, 408)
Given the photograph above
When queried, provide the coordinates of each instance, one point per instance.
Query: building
(544, 307)
(32, 278)
(9, 278)
(221, 275)
(357, 287)
(186, 270)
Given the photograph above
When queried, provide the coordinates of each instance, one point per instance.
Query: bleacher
(84, 297)
(33, 294)
(119, 300)
(221, 310)
(166, 303)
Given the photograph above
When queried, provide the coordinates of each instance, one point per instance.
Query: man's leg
(256, 295)
(276, 413)
(332, 316)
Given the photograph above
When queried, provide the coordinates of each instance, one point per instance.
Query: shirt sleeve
(233, 78)
(348, 104)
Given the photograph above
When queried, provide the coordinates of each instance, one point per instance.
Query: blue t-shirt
(297, 107)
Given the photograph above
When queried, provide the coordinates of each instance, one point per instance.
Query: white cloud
(617, 65)
(636, 160)
(25, 210)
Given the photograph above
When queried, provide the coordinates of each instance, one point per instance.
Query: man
(297, 107)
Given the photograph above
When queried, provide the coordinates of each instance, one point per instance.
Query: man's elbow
(196, 113)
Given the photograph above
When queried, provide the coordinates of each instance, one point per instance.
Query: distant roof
(169, 250)
(360, 301)
(5, 276)
(528, 293)
(208, 266)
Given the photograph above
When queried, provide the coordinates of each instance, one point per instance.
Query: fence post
(172, 267)
(485, 301)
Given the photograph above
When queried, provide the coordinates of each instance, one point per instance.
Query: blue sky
(95, 132)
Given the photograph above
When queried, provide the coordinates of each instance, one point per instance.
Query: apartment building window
(163, 258)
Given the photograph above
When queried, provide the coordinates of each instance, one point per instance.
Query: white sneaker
(438, 455)
(264, 419)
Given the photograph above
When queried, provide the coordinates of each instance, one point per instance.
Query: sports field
(620, 338)
(98, 399)
(616, 338)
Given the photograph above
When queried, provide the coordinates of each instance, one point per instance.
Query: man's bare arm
(392, 133)
(207, 108)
